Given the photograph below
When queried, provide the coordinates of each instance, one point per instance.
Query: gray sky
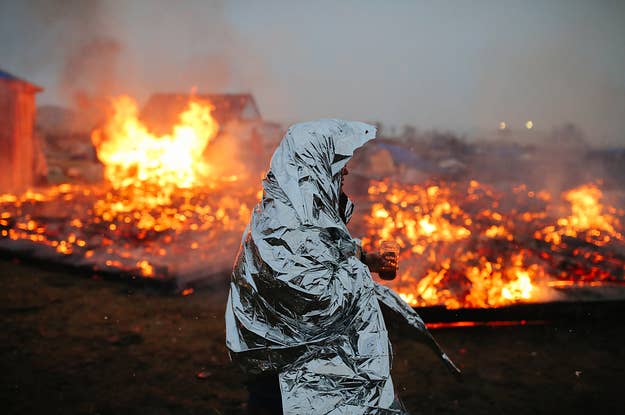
(460, 65)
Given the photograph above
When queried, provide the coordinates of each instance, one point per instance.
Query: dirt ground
(77, 345)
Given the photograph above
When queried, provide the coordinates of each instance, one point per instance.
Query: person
(303, 317)
(374, 261)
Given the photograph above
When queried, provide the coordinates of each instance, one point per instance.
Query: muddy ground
(77, 345)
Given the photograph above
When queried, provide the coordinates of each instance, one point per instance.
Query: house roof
(6, 75)
(10, 77)
(163, 109)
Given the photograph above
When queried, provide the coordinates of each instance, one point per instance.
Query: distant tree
(409, 133)
(448, 141)
(569, 135)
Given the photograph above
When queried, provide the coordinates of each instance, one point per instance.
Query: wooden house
(18, 148)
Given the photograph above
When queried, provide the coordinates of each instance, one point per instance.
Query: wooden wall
(17, 118)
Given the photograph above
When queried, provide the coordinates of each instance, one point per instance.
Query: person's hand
(374, 261)
(388, 269)
(377, 262)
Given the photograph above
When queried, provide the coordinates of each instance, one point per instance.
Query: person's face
(344, 172)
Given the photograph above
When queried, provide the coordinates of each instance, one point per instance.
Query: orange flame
(459, 249)
(459, 246)
(587, 217)
(164, 202)
(133, 156)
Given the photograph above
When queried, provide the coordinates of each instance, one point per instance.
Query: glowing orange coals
(460, 249)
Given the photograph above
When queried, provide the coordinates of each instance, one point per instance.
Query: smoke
(196, 46)
(568, 77)
(89, 73)
(420, 63)
(83, 52)
(64, 37)
(548, 84)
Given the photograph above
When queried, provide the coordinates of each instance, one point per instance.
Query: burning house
(237, 116)
(21, 154)
(178, 191)
(163, 109)
(164, 196)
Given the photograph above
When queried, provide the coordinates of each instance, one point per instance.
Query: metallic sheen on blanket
(301, 302)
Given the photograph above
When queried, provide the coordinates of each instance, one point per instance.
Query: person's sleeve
(394, 302)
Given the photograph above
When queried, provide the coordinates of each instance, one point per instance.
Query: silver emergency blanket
(301, 303)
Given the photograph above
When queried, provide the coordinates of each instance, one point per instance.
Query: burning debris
(469, 245)
(86, 227)
(173, 207)
(161, 202)
(133, 157)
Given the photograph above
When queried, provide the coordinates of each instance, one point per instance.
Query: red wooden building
(17, 142)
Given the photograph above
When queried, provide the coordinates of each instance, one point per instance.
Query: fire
(162, 202)
(166, 209)
(147, 270)
(133, 156)
(521, 288)
(587, 218)
(434, 220)
(144, 169)
(460, 248)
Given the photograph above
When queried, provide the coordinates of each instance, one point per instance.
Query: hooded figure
(302, 304)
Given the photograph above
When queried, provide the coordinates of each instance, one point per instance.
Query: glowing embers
(195, 235)
(588, 219)
(171, 205)
(467, 245)
(134, 156)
